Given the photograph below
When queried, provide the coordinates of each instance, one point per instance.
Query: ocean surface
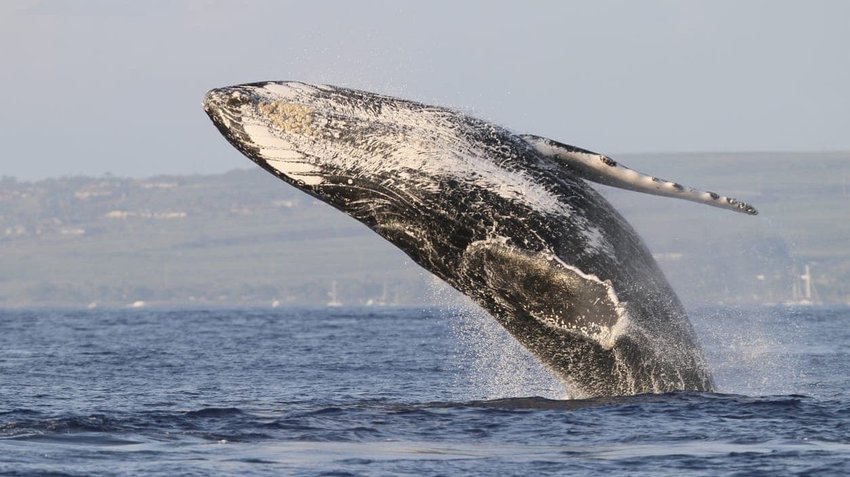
(390, 391)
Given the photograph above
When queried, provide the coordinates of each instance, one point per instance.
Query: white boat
(334, 300)
(803, 291)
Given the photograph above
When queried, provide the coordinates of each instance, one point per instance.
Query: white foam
(596, 240)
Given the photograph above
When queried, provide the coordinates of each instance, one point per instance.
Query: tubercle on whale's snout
(279, 113)
(219, 98)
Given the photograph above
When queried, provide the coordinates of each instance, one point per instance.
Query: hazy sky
(90, 87)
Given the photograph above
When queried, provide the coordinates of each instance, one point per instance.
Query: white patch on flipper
(598, 168)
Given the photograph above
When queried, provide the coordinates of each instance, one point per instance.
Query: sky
(108, 86)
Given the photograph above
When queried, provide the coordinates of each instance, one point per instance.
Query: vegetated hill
(238, 238)
(246, 238)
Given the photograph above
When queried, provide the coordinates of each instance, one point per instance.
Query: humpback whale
(509, 220)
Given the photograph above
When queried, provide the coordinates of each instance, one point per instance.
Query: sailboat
(803, 291)
(383, 300)
(334, 300)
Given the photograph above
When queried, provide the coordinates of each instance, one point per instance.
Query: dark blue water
(401, 391)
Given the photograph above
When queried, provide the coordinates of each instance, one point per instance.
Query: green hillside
(246, 238)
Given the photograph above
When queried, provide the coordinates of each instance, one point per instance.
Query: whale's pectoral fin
(542, 288)
(604, 170)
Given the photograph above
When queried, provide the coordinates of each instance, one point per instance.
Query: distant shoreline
(243, 238)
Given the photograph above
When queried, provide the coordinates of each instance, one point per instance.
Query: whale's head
(321, 137)
(292, 129)
(342, 145)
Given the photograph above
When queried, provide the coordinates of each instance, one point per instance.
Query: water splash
(491, 363)
(750, 350)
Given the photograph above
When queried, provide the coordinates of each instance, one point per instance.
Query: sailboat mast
(807, 278)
